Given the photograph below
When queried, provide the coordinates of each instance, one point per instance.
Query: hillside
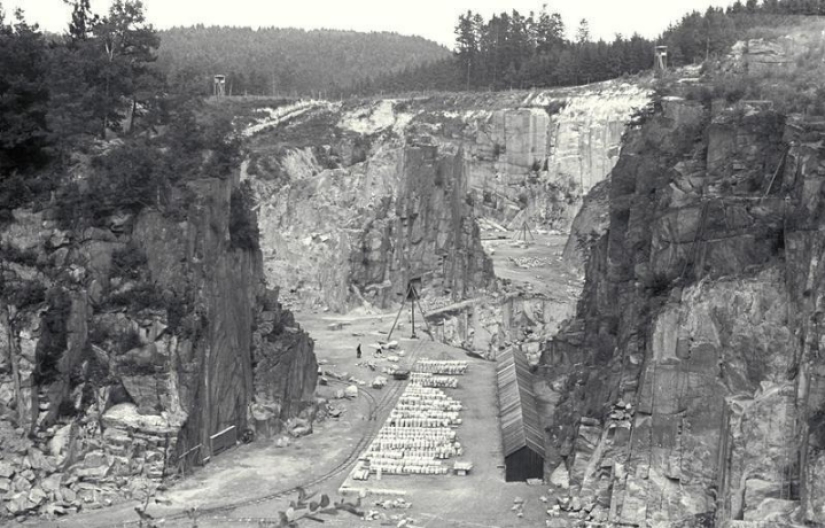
(300, 61)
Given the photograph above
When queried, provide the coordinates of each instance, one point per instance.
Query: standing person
(358, 351)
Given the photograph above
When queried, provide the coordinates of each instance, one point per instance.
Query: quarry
(589, 306)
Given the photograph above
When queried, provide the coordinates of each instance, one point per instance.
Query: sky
(432, 19)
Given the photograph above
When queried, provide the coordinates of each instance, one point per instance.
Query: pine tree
(83, 19)
(549, 31)
(466, 45)
(23, 93)
(583, 32)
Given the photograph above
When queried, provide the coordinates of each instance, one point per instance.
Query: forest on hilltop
(517, 51)
(286, 61)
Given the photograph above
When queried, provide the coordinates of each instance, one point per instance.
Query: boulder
(125, 416)
(21, 484)
(39, 461)
(95, 459)
(92, 474)
(144, 391)
(69, 496)
(300, 431)
(19, 504)
(52, 483)
(7, 471)
(756, 493)
(37, 496)
(560, 477)
(351, 391)
(59, 444)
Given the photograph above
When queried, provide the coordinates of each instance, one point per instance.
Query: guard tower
(660, 60)
(219, 88)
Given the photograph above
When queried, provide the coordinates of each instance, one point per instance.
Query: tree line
(286, 61)
(700, 36)
(511, 50)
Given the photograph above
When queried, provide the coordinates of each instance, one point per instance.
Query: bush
(816, 425)
(127, 341)
(67, 409)
(555, 107)
(24, 257)
(141, 297)
(53, 337)
(14, 193)
(360, 149)
(23, 294)
(659, 284)
(243, 225)
(176, 312)
(147, 172)
(128, 262)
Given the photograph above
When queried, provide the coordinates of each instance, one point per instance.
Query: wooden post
(411, 294)
(389, 337)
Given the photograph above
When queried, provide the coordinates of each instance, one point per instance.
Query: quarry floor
(257, 470)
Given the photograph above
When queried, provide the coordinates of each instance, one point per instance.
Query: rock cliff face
(356, 200)
(136, 350)
(690, 388)
(361, 231)
(535, 157)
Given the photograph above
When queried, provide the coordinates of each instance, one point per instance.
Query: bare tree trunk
(132, 116)
(14, 355)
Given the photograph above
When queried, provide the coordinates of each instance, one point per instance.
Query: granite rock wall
(689, 392)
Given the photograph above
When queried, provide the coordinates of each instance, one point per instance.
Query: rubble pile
(75, 466)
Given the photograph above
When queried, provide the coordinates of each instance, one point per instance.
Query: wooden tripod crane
(412, 296)
(525, 233)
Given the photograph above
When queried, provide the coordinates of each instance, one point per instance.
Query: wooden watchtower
(219, 86)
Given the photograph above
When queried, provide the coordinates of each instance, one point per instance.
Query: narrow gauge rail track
(218, 513)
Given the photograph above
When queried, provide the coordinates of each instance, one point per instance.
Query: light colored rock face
(310, 227)
(352, 235)
(536, 160)
(689, 392)
(587, 134)
(341, 215)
